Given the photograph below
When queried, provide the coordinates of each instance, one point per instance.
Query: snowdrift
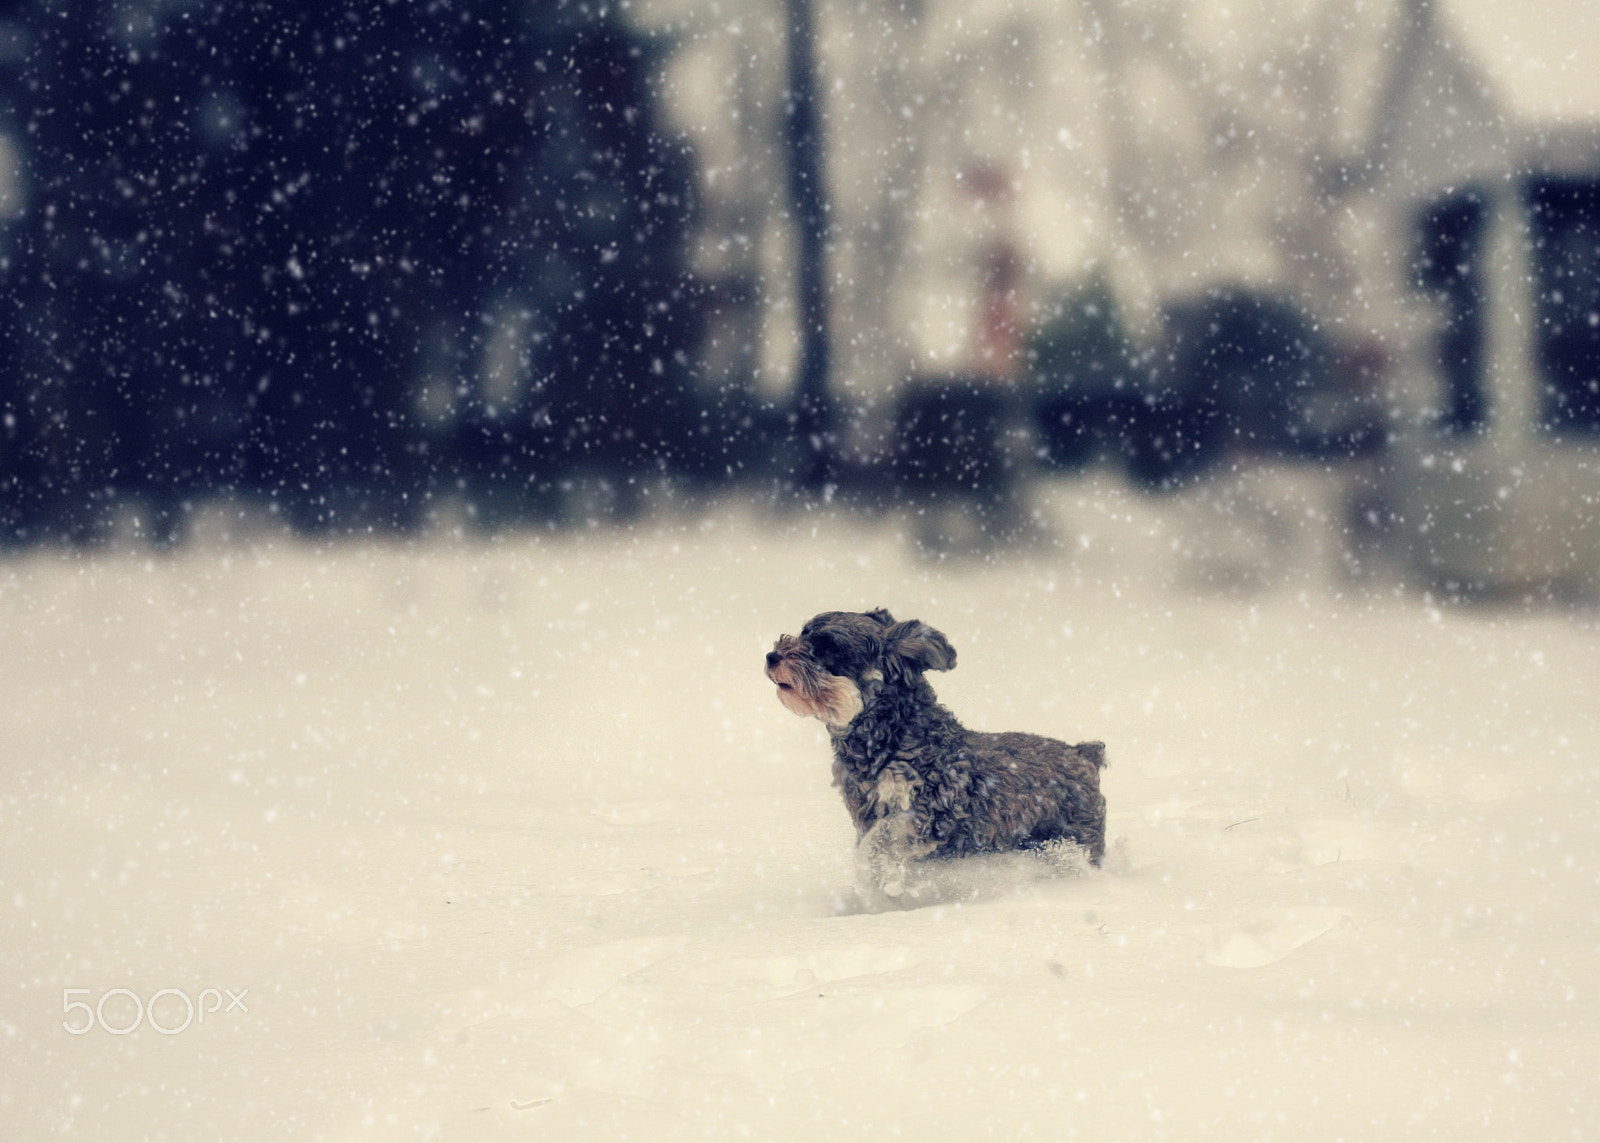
(483, 839)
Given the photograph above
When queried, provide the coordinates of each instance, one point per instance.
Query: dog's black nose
(773, 658)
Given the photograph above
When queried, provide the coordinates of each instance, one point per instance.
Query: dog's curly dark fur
(917, 783)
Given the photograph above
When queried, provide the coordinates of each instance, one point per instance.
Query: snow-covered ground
(511, 839)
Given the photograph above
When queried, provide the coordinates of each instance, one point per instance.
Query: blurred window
(1565, 216)
(1451, 233)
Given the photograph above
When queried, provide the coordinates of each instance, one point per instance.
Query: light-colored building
(1312, 148)
(1482, 255)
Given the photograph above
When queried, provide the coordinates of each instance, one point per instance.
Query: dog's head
(840, 656)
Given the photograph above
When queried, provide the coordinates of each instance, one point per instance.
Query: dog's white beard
(832, 698)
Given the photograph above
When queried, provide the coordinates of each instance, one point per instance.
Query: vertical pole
(1511, 375)
(814, 412)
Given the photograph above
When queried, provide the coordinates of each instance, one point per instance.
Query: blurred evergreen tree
(598, 266)
(1082, 366)
(250, 228)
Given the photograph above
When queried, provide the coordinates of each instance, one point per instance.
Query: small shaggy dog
(917, 783)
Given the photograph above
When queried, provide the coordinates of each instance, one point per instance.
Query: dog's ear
(918, 647)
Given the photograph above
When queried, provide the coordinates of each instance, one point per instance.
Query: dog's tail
(1093, 751)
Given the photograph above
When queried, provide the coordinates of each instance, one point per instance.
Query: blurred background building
(358, 260)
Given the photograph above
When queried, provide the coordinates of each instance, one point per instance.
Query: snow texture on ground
(511, 839)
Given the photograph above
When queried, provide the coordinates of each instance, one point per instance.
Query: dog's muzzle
(807, 690)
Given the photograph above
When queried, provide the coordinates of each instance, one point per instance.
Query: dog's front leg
(893, 840)
(884, 853)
